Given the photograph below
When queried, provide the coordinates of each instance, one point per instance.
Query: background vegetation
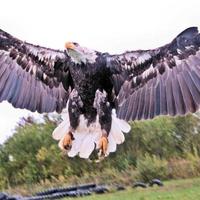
(163, 148)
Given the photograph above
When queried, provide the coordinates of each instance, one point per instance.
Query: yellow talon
(103, 145)
(67, 141)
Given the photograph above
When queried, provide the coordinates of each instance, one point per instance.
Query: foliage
(154, 148)
(150, 167)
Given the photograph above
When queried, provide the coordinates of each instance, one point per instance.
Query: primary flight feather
(98, 93)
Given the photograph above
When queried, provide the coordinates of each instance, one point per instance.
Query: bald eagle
(98, 93)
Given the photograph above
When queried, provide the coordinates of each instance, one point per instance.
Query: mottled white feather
(87, 137)
(87, 146)
(76, 143)
(117, 134)
(61, 130)
(112, 145)
(63, 127)
(123, 125)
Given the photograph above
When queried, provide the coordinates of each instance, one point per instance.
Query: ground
(188, 189)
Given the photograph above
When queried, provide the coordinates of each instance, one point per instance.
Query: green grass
(188, 189)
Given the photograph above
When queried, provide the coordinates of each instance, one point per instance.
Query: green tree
(31, 155)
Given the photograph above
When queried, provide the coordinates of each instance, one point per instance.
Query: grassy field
(188, 189)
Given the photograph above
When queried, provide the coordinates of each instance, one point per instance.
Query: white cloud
(113, 26)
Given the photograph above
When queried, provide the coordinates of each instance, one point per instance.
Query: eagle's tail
(116, 136)
(86, 139)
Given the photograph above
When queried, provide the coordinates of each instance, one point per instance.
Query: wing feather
(187, 97)
(141, 103)
(163, 99)
(157, 99)
(135, 105)
(151, 102)
(171, 109)
(162, 81)
(192, 88)
(146, 104)
(128, 109)
(33, 77)
(178, 97)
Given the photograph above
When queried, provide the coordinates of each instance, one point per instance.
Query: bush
(195, 160)
(150, 167)
(180, 168)
(184, 168)
(31, 156)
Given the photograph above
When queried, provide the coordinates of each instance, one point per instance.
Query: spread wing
(33, 77)
(163, 81)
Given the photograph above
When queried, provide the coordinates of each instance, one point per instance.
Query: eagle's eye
(75, 43)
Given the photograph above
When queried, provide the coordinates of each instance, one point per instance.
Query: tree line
(164, 148)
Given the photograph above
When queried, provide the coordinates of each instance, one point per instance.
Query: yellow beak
(69, 45)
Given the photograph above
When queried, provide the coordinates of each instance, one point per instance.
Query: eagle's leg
(103, 144)
(67, 141)
(74, 109)
(105, 122)
(104, 113)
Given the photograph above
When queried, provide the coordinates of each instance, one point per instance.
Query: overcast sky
(106, 25)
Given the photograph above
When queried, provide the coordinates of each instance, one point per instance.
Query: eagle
(99, 93)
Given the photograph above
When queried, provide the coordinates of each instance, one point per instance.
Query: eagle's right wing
(33, 77)
(162, 81)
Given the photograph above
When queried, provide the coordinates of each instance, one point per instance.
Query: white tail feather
(63, 127)
(86, 137)
(112, 146)
(117, 134)
(87, 146)
(124, 126)
(61, 130)
(65, 115)
(76, 143)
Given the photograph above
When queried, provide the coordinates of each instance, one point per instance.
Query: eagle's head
(80, 54)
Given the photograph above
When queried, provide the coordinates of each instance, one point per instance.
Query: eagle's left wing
(33, 77)
(163, 81)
